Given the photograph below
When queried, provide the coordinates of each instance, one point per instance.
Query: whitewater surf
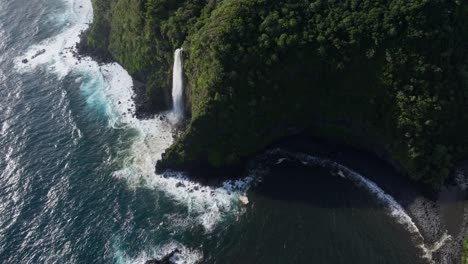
(108, 89)
(80, 183)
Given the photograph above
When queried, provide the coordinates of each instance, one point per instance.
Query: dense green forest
(392, 71)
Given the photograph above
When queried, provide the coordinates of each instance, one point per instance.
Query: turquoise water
(77, 181)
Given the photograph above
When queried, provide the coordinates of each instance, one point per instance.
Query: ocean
(78, 182)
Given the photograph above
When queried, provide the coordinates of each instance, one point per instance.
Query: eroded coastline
(426, 208)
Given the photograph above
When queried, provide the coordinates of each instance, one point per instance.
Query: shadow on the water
(368, 165)
(310, 214)
(434, 211)
(436, 214)
(293, 182)
(293, 193)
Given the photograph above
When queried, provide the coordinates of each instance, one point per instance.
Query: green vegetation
(465, 252)
(142, 35)
(259, 70)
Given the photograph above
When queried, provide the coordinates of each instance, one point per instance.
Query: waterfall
(177, 86)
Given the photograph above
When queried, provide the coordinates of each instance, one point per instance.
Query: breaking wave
(394, 209)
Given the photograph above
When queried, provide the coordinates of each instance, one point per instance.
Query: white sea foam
(185, 256)
(11, 164)
(108, 89)
(5, 126)
(56, 52)
(205, 205)
(394, 208)
(2, 37)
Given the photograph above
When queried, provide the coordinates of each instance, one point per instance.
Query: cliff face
(261, 70)
(142, 36)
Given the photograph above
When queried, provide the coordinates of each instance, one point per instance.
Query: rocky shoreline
(143, 106)
(441, 216)
(433, 213)
(436, 214)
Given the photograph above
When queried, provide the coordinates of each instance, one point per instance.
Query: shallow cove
(303, 214)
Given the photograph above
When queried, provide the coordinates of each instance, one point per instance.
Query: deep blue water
(77, 182)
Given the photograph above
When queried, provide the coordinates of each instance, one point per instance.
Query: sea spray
(185, 256)
(394, 208)
(108, 90)
(178, 86)
(57, 53)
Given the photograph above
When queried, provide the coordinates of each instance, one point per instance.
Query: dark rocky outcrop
(146, 106)
(164, 260)
(99, 54)
(38, 53)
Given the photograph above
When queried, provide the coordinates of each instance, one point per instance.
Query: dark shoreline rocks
(84, 50)
(38, 53)
(205, 174)
(425, 206)
(166, 259)
(144, 108)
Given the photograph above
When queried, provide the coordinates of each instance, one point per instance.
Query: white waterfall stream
(178, 86)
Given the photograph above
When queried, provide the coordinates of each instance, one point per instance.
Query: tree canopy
(260, 69)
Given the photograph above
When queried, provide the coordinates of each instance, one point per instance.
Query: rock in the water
(39, 52)
(164, 260)
(243, 199)
(25, 61)
(179, 184)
